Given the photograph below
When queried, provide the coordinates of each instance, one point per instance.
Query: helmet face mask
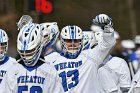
(30, 43)
(72, 46)
(3, 50)
(29, 55)
(127, 46)
(3, 44)
(71, 40)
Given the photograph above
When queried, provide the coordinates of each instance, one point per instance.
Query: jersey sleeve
(122, 73)
(125, 78)
(8, 84)
(106, 81)
(136, 78)
(135, 85)
(102, 50)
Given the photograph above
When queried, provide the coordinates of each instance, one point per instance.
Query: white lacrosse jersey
(114, 75)
(42, 78)
(107, 83)
(79, 75)
(136, 82)
(5, 65)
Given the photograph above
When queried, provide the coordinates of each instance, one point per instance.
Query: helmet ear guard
(72, 34)
(3, 44)
(30, 43)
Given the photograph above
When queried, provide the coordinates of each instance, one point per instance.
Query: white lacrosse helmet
(72, 33)
(3, 44)
(116, 35)
(25, 19)
(129, 44)
(137, 39)
(128, 47)
(30, 43)
(51, 33)
(88, 39)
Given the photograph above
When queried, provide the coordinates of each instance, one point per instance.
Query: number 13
(74, 74)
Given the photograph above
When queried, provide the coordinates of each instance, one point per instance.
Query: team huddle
(66, 61)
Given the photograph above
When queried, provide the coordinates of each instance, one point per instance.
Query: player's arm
(135, 83)
(106, 81)
(8, 84)
(101, 51)
(125, 78)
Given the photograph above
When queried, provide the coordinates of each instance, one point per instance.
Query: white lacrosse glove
(102, 20)
(108, 29)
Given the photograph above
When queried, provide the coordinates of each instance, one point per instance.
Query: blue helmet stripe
(22, 40)
(30, 35)
(69, 32)
(24, 48)
(98, 18)
(72, 33)
(75, 31)
(31, 32)
(1, 36)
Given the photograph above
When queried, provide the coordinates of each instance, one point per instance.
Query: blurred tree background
(125, 15)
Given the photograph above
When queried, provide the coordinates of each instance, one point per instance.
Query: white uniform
(41, 78)
(106, 81)
(6, 64)
(136, 82)
(79, 75)
(114, 75)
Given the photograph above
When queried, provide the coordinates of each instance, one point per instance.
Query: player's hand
(108, 29)
(102, 20)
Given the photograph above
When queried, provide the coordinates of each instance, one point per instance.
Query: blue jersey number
(74, 74)
(33, 89)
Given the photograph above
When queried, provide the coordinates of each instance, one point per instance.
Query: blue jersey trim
(69, 56)
(4, 61)
(31, 68)
(110, 57)
(133, 57)
(38, 64)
